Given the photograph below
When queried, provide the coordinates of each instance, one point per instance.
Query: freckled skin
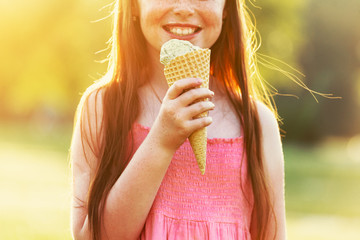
(155, 14)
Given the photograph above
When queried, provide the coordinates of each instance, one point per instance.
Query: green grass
(322, 193)
(34, 183)
(318, 185)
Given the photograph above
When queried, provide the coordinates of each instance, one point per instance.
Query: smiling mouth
(181, 30)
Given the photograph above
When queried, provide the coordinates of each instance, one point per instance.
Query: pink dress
(189, 205)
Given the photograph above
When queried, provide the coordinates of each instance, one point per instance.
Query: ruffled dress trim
(209, 140)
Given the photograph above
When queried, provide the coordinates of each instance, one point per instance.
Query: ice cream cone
(194, 64)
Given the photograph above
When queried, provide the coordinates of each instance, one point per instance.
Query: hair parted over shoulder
(233, 65)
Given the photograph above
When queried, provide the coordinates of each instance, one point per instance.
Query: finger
(183, 84)
(197, 108)
(195, 94)
(199, 123)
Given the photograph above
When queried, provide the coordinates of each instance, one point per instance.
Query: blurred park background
(52, 50)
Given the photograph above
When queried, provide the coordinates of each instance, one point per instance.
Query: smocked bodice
(188, 205)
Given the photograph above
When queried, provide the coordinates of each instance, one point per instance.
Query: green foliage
(48, 50)
(48, 59)
(280, 24)
(326, 42)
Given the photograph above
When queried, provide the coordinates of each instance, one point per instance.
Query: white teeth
(182, 31)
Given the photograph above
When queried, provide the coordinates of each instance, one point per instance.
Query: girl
(134, 173)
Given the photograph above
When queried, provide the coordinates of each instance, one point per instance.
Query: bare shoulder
(91, 102)
(87, 129)
(267, 119)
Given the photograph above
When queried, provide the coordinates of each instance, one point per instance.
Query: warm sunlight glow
(353, 148)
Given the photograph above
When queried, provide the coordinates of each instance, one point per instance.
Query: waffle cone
(194, 64)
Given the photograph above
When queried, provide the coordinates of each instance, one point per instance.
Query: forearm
(132, 196)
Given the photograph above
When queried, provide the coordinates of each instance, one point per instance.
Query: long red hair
(232, 64)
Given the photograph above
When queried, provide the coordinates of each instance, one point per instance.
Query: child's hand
(176, 121)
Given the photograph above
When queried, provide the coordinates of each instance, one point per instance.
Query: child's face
(197, 21)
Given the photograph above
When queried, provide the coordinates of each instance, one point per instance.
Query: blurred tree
(280, 24)
(48, 55)
(48, 58)
(331, 63)
(320, 38)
